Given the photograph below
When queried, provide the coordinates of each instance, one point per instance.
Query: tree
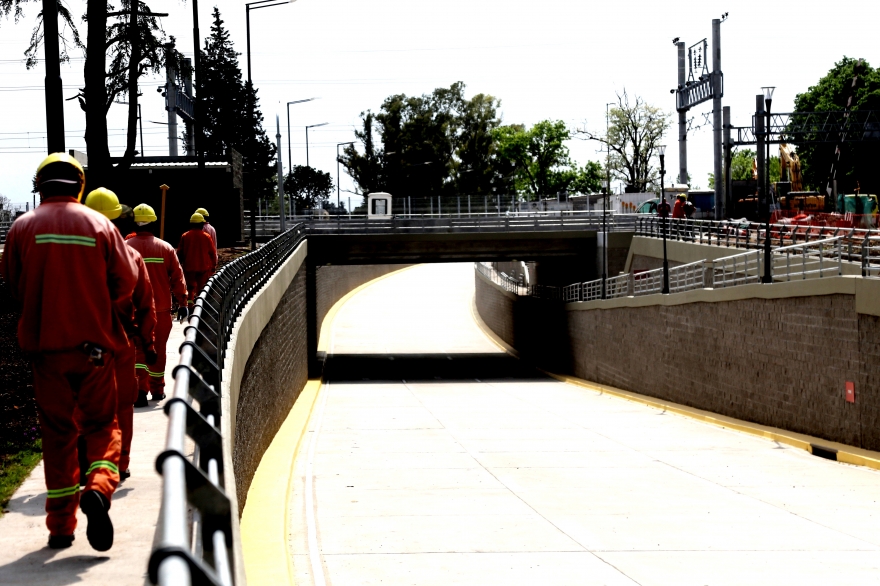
(741, 164)
(634, 132)
(435, 144)
(477, 167)
(231, 118)
(135, 45)
(858, 161)
(309, 187)
(540, 160)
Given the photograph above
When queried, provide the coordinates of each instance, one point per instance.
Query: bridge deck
(460, 466)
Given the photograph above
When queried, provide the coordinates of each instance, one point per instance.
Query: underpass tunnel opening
(421, 323)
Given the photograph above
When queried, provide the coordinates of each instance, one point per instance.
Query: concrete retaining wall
(778, 356)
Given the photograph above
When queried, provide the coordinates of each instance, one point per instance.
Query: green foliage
(231, 118)
(741, 167)
(309, 187)
(14, 469)
(858, 160)
(444, 144)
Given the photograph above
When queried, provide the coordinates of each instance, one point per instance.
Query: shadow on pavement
(37, 567)
(426, 367)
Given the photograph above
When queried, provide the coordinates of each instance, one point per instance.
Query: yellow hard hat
(144, 213)
(197, 218)
(203, 211)
(105, 201)
(61, 168)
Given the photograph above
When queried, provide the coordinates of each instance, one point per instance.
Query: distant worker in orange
(198, 256)
(68, 268)
(139, 320)
(166, 276)
(208, 227)
(678, 208)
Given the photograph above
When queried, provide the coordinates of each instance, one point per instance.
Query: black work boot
(60, 541)
(141, 400)
(100, 530)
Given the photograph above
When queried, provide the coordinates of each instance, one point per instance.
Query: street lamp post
(248, 7)
(664, 214)
(768, 99)
(289, 160)
(337, 173)
(604, 204)
(307, 139)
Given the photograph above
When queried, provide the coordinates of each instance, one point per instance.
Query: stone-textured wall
(277, 368)
(276, 372)
(779, 362)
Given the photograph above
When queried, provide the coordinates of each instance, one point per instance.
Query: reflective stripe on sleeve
(153, 260)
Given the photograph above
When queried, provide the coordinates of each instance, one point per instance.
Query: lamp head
(768, 93)
(661, 150)
(675, 41)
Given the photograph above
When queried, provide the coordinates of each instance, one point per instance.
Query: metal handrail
(194, 542)
(682, 278)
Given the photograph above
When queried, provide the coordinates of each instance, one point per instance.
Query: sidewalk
(24, 555)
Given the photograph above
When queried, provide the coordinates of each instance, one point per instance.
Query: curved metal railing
(194, 533)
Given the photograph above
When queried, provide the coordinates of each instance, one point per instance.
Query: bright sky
(551, 59)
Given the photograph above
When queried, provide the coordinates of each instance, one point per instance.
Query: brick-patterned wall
(276, 372)
(780, 362)
(277, 369)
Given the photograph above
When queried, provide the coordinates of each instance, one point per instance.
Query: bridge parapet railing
(194, 536)
(615, 287)
(870, 256)
(682, 278)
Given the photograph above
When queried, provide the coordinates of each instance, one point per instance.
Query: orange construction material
(76, 397)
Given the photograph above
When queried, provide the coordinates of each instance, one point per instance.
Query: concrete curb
(816, 446)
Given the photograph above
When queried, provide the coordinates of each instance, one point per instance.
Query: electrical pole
(197, 126)
(54, 94)
(280, 174)
(682, 119)
(717, 91)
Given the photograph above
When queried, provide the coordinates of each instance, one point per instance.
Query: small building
(379, 205)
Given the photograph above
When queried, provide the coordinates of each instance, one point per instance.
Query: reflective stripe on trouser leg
(67, 385)
(164, 321)
(127, 390)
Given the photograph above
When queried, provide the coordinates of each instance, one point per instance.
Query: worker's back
(196, 251)
(67, 266)
(166, 275)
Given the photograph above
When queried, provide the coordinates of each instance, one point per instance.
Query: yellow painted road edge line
(265, 529)
(845, 453)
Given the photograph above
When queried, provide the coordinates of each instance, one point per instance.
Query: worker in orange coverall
(68, 266)
(197, 255)
(208, 227)
(139, 320)
(166, 276)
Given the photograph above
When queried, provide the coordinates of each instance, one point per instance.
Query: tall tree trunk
(95, 94)
(134, 61)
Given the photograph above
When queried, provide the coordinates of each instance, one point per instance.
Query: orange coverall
(139, 319)
(68, 266)
(212, 233)
(198, 258)
(166, 277)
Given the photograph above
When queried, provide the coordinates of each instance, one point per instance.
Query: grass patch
(14, 469)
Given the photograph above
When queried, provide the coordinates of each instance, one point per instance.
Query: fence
(194, 533)
(508, 283)
(821, 258)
